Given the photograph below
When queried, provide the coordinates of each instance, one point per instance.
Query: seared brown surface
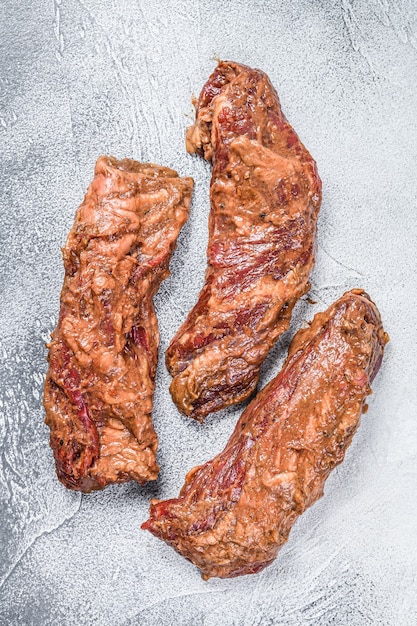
(265, 197)
(102, 358)
(236, 511)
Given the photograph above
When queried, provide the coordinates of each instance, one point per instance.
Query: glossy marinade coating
(265, 197)
(103, 353)
(236, 511)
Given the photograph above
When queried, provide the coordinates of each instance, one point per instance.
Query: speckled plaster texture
(79, 78)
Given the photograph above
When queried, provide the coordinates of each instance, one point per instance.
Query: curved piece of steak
(103, 353)
(236, 511)
(265, 197)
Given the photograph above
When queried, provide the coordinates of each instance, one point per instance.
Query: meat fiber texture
(265, 197)
(235, 512)
(90, 77)
(102, 357)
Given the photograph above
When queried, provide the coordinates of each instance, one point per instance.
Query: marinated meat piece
(236, 511)
(265, 198)
(103, 353)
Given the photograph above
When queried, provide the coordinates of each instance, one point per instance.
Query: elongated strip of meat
(103, 353)
(235, 512)
(265, 197)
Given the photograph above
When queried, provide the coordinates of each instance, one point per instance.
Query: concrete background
(83, 77)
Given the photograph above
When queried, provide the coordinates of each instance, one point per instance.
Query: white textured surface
(84, 77)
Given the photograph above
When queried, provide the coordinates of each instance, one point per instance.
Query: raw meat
(235, 512)
(265, 198)
(103, 353)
